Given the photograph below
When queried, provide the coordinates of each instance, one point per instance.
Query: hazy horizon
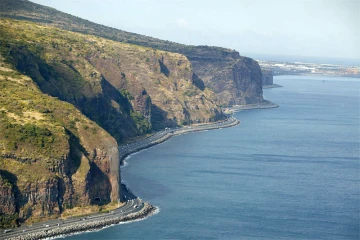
(317, 29)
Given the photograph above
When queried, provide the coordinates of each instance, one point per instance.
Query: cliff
(52, 157)
(267, 77)
(234, 79)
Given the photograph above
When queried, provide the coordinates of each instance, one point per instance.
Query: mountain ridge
(226, 63)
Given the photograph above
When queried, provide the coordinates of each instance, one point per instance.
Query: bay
(285, 173)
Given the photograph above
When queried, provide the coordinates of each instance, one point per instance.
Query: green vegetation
(126, 94)
(28, 133)
(142, 124)
(8, 221)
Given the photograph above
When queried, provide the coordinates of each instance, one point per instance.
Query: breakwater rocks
(147, 210)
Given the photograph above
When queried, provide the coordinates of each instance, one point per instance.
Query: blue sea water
(285, 173)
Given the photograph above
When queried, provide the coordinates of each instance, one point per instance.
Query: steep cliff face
(234, 79)
(220, 69)
(267, 77)
(158, 84)
(8, 214)
(52, 157)
(7, 196)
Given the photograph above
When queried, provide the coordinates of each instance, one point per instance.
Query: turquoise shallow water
(285, 173)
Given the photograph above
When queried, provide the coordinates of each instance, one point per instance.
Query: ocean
(285, 173)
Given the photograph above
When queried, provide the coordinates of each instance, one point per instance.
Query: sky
(317, 28)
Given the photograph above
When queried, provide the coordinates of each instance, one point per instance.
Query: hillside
(127, 89)
(234, 79)
(52, 157)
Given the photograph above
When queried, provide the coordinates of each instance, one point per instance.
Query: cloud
(182, 23)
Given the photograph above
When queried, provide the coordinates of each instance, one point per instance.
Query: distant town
(300, 68)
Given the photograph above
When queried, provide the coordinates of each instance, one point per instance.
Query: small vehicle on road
(7, 230)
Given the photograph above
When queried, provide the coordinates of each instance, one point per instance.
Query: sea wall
(87, 226)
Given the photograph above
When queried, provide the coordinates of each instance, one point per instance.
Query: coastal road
(161, 136)
(131, 206)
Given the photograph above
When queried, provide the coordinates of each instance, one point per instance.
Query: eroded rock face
(234, 79)
(160, 85)
(40, 198)
(7, 197)
(268, 78)
(8, 201)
